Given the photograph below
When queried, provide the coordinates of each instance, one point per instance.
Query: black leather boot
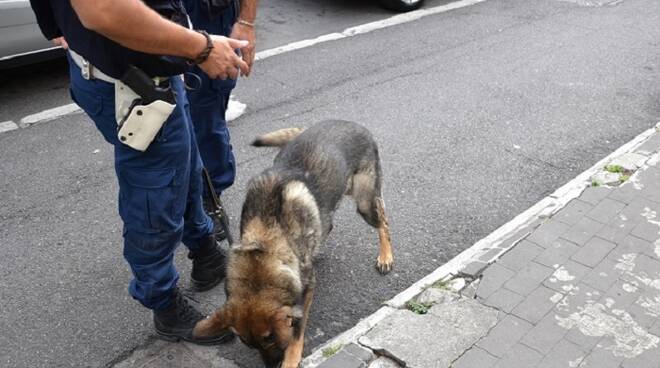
(178, 321)
(209, 264)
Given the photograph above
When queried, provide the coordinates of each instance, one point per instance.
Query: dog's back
(328, 154)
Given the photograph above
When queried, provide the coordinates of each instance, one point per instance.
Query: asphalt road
(479, 112)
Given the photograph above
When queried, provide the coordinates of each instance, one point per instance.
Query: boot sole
(176, 338)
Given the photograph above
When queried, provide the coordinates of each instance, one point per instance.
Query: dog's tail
(277, 138)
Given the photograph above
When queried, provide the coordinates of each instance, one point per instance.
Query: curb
(475, 259)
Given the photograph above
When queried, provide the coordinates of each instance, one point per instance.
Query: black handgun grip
(140, 83)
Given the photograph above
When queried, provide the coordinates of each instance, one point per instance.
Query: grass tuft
(624, 178)
(441, 284)
(614, 168)
(595, 183)
(419, 308)
(331, 350)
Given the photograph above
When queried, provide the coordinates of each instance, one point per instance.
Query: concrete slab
(630, 161)
(433, 340)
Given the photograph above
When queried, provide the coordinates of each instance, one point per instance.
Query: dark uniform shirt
(57, 18)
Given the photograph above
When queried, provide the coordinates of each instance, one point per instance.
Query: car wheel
(401, 5)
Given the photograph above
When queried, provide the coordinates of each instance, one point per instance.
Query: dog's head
(261, 307)
(259, 325)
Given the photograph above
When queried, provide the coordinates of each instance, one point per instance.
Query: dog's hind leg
(366, 191)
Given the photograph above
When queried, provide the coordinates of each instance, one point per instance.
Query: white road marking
(297, 45)
(7, 126)
(366, 28)
(49, 114)
(239, 108)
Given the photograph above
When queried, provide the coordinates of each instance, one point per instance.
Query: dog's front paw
(384, 264)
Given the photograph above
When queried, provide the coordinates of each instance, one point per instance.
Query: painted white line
(366, 28)
(49, 114)
(297, 45)
(408, 17)
(7, 126)
(545, 207)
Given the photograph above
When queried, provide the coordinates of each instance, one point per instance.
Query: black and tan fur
(286, 216)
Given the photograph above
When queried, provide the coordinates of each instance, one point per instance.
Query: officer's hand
(223, 62)
(245, 32)
(61, 41)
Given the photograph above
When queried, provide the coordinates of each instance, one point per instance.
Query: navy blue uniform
(159, 189)
(208, 103)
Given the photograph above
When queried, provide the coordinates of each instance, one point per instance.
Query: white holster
(138, 124)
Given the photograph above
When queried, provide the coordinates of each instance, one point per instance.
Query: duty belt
(88, 70)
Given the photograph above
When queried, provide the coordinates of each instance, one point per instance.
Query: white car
(21, 40)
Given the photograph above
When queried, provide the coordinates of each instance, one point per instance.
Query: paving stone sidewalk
(581, 289)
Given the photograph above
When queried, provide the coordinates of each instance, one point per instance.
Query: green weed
(331, 350)
(419, 308)
(614, 168)
(440, 284)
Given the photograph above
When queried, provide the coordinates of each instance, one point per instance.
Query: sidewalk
(579, 288)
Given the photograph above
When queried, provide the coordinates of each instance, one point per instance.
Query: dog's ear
(220, 320)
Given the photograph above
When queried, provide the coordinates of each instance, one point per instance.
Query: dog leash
(218, 209)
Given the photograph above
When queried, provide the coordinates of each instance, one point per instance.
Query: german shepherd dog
(286, 216)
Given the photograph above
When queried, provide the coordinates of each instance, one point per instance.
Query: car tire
(401, 5)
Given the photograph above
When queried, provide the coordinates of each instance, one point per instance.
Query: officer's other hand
(245, 32)
(223, 62)
(61, 41)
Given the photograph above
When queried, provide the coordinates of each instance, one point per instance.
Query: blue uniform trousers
(209, 99)
(159, 190)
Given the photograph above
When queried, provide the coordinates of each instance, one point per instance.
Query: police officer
(209, 100)
(160, 187)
